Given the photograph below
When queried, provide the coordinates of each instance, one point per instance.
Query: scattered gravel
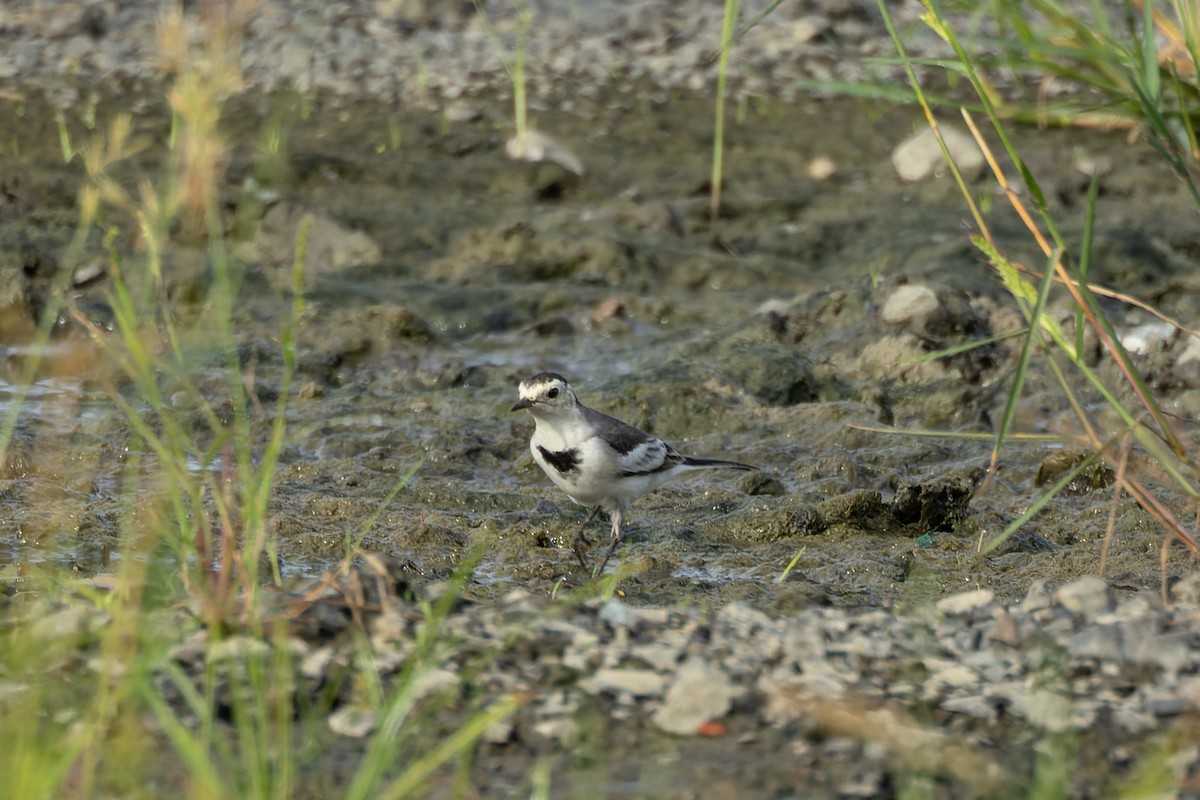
(1073, 660)
(436, 52)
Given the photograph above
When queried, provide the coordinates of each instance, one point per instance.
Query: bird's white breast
(586, 484)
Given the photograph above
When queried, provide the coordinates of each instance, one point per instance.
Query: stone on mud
(700, 693)
(913, 302)
(626, 684)
(772, 375)
(861, 508)
(1088, 596)
(330, 246)
(353, 721)
(1060, 462)
(920, 155)
(966, 603)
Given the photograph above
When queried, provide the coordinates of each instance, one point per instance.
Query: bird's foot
(580, 549)
(607, 555)
(582, 541)
(617, 531)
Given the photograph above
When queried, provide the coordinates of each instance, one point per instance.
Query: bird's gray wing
(653, 455)
(636, 452)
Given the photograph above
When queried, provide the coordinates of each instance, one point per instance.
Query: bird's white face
(545, 393)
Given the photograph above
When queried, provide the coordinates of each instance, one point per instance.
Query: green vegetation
(1144, 87)
(732, 8)
(98, 695)
(1083, 51)
(1127, 66)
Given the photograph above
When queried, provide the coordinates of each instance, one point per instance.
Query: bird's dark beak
(522, 403)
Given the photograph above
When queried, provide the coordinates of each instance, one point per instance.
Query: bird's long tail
(699, 463)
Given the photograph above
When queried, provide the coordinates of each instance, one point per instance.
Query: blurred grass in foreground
(92, 703)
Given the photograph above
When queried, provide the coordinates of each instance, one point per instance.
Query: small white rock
(239, 648)
(913, 301)
(315, 664)
(965, 602)
(1149, 338)
(821, 169)
(556, 730)
(636, 682)
(1089, 596)
(499, 732)
(1046, 709)
(460, 111)
(353, 721)
(1037, 598)
(919, 156)
(700, 693)
(1191, 351)
(536, 146)
(954, 677)
(970, 705)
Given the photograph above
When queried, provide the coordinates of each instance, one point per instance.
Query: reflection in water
(59, 476)
(713, 573)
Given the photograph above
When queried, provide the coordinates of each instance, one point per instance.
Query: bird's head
(545, 394)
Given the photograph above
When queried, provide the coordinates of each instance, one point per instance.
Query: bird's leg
(618, 527)
(581, 538)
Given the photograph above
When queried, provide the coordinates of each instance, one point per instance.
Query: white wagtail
(597, 460)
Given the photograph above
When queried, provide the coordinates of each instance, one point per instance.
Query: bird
(598, 460)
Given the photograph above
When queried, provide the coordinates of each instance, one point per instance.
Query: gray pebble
(965, 603)
(625, 683)
(700, 693)
(1088, 596)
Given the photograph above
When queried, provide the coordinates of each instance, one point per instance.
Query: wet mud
(441, 273)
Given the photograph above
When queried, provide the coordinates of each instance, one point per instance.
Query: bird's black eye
(553, 393)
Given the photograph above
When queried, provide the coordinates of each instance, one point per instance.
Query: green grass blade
(458, 742)
(791, 565)
(929, 118)
(732, 8)
(354, 541)
(384, 747)
(1085, 253)
(942, 27)
(752, 24)
(1034, 318)
(1131, 372)
(202, 769)
(967, 346)
(1040, 503)
(1151, 79)
(1100, 20)
(1167, 459)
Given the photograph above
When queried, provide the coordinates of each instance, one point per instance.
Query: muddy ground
(759, 337)
(441, 273)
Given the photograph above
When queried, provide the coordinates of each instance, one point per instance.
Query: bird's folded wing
(651, 455)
